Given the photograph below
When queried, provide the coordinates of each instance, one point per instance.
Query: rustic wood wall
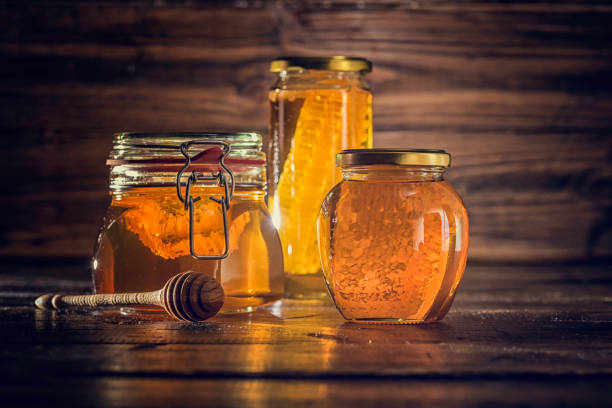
(519, 92)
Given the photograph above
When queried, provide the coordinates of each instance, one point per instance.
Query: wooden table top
(516, 336)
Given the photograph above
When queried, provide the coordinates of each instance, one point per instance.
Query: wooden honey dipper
(189, 296)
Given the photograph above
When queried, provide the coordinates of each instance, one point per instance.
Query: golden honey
(145, 236)
(393, 241)
(315, 114)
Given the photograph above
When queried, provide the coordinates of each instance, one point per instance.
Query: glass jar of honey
(393, 236)
(189, 201)
(318, 106)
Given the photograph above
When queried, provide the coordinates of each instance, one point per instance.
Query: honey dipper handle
(51, 301)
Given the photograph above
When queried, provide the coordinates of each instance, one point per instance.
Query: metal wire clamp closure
(194, 177)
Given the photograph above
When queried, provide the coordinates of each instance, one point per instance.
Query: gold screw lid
(402, 157)
(337, 63)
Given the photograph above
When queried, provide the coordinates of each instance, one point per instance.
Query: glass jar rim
(150, 149)
(154, 159)
(394, 156)
(333, 63)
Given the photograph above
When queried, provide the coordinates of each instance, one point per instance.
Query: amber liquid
(392, 250)
(308, 128)
(144, 241)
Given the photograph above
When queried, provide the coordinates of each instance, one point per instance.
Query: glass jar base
(390, 320)
(247, 304)
(306, 287)
(145, 310)
(231, 305)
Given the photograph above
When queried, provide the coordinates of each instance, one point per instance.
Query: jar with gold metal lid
(393, 236)
(318, 106)
(189, 201)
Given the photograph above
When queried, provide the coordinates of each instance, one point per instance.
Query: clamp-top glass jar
(318, 106)
(393, 236)
(189, 201)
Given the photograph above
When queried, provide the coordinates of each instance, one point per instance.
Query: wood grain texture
(519, 92)
(155, 392)
(516, 336)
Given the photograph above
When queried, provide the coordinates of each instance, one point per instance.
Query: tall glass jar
(157, 183)
(318, 107)
(393, 236)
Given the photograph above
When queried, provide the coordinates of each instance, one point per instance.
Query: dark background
(519, 92)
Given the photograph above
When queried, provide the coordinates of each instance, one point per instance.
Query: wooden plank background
(519, 92)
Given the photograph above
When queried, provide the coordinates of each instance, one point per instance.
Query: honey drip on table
(329, 121)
